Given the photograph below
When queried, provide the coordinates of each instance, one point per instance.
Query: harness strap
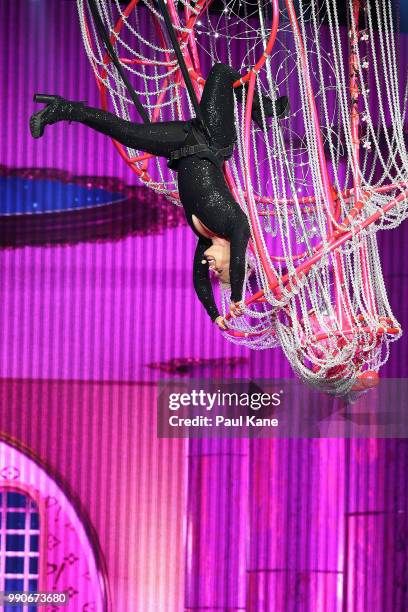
(221, 154)
(182, 64)
(99, 25)
(201, 148)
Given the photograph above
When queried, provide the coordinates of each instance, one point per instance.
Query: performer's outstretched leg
(217, 105)
(155, 138)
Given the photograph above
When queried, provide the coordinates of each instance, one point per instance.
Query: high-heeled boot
(57, 109)
(280, 106)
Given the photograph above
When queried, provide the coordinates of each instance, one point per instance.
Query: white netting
(320, 183)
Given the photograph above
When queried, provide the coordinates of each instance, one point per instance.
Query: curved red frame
(337, 233)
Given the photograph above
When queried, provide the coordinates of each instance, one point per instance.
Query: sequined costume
(202, 187)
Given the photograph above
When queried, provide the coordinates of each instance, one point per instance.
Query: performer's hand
(221, 323)
(237, 309)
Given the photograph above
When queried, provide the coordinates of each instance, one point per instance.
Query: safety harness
(201, 148)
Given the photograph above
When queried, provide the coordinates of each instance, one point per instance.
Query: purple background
(262, 525)
(150, 312)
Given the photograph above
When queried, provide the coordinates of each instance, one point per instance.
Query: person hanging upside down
(211, 211)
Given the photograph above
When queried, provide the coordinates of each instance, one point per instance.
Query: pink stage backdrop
(99, 440)
(259, 525)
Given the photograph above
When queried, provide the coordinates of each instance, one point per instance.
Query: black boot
(281, 106)
(56, 109)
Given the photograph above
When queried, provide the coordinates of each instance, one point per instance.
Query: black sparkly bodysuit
(201, 183)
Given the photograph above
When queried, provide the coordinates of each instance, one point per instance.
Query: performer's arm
(239, 237)
(201, 279)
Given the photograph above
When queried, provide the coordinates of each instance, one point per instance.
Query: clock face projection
(58, 556)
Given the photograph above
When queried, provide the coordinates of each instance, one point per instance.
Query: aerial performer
(286, 215)
(197, 153)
